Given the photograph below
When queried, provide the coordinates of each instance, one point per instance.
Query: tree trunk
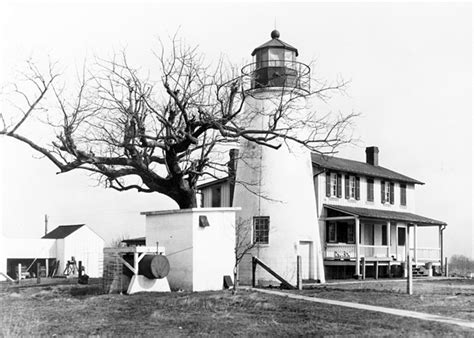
(186, 198)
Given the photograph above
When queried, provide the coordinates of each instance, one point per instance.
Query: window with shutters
(352, 187)
(261, 229)
(340, 232)
(403, 194)
(333, 184)
(370, 189)
(388, 190)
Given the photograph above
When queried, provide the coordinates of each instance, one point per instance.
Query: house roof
(62, 231)
(214, 182)
(350, 166)
(385, 215)
(132, 241)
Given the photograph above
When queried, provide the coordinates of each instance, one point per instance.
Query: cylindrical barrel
(150, 266)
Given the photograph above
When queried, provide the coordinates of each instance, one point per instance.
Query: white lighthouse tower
(274, 187)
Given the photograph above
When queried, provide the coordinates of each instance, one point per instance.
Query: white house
(343, 217)
(53, 251)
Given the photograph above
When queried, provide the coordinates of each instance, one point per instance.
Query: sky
(409, 66)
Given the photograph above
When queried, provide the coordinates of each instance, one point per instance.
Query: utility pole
(45, 224)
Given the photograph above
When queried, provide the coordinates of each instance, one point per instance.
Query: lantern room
(275, 65)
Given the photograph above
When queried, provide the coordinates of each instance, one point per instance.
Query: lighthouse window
(276, 57)
(261, 229)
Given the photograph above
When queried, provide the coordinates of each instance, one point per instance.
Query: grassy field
(446, 297)
(82, 310)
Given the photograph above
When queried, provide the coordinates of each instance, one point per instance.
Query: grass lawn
(448, 297)
(81, 310)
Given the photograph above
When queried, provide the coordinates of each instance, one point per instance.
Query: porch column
(415, 255)
(388, 238)
(407, 249)
(357, 240)
(441, 247)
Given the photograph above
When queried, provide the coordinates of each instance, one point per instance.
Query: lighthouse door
(305, 251)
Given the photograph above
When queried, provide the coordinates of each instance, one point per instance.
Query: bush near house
(460, 265)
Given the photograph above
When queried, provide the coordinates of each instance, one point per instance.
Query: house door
(305, 250)
(401, 241)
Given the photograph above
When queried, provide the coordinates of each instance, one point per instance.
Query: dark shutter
(357, 188)
(370, 190)
(392, 191)
(403, 194)
(339, 187)
(384, 234)
(382, 190)
(346, 186)
(328, 184)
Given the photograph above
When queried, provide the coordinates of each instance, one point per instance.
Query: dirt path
(397, 312)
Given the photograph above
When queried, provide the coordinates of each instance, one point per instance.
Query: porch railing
(340, 251)
(374, 251)
(426, 254)
(346, 251)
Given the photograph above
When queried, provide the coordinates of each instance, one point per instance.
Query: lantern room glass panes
(276, 57)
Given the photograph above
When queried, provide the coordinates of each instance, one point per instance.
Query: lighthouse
(274, 182)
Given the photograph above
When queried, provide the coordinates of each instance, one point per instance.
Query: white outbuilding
(53, 251)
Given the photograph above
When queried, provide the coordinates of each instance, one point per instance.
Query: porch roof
(385, 215)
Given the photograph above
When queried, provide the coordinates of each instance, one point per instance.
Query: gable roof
(62, 231)
(385, 215)
(356, 167)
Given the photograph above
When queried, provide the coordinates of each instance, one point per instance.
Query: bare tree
(243, 246)
(133, 133)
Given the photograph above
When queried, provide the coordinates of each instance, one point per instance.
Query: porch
(360, 237)
(348, 252)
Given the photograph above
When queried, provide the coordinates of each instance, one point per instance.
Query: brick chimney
(232, 164)
(372, 155)
(232, 169)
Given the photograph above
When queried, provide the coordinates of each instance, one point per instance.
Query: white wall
(213, 249)
(24, 248)
(362, 202)
(282, 185)
(199, 257)
(86, 246)
(174, 231)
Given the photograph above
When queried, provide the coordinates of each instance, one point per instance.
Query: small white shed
(80, 242)
(59, 245)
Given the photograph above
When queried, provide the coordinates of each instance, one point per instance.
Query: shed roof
(214, 182)
(63, 231)
(351, 166)
(388, 215)
(135, 241)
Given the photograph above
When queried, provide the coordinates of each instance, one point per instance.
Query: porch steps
(418, 271)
